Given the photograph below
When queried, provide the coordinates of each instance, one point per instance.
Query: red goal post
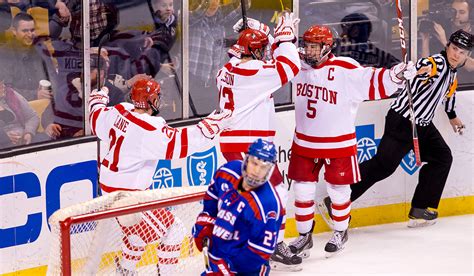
(89, 238)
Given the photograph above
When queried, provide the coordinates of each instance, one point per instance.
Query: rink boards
(34, 185)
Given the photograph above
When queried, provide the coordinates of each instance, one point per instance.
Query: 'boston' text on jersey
(318, 92)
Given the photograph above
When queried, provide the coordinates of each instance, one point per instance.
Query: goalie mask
(259, 163)
(253, 43)
(318, 41)
(145, 94)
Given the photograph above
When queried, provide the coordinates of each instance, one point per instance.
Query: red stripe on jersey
(253, 205)
(304, 217)
(262, 254)
(234, 147)
(340, 63)
(382, 93)
(184, 143)
(334, 139)
(305, 204)
(324, 153)
(170, 148)
(240, 71)
(260, 133)
(108, 189)
(372, 88)
(94, 117)
(129, 116)
(229, 177)
(341, 207)
(290, 63)
(282, 74)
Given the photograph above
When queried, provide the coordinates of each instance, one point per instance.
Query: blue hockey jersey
(247, 222)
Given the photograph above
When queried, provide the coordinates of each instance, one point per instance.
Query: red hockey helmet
(250, 41)
(144, 93)
(321, 35)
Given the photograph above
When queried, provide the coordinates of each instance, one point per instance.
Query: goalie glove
(214, 123)
(203, 229)
(252, 24)
(98, 98)
(285, 29)
(403, 71)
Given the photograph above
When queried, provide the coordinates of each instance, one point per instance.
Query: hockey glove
(234, 51)
(252, 24)
(285, 29)
(214, 123)
(220, 267)
(228, 199)
(403, 71)
(203, 229)
(98, 98)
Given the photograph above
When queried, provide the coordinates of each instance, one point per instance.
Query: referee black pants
(396, 142)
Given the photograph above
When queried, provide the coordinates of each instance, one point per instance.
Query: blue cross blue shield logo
(201, 167)
(409, 163)
(366, 142)
(367, 148)
(165, 176)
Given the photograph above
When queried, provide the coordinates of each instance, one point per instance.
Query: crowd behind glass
(41, 55)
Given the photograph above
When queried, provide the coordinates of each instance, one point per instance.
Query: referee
(434, 84)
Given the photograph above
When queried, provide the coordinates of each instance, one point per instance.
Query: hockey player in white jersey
(137, 140)
(329, 90)
(258, 67)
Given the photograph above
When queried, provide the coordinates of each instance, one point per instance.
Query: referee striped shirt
(429, 90)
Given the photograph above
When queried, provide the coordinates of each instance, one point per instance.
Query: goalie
(137, 139)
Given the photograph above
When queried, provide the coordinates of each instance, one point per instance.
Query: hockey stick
(244, 14)
(205, 253)
(416, 145)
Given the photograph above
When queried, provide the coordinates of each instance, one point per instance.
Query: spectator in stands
(461, 20)
(355, 43)
(22, 57)
(207, 49)
(18, 121)
(103, 19)
(64, 117)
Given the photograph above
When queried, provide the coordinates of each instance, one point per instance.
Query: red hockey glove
(214, 123)
(220, 268)
(203, 229)
(285, 29)
(252, 24)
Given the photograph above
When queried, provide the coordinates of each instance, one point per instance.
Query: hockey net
(128, 233)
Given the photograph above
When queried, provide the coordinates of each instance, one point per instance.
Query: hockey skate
(121, 271)
(324, 209)
(421, 217)
(282, 259)
(336, 243)
(302, 245)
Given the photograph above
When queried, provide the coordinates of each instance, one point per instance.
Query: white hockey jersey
(246, 89)
(327, 99)
(136, 142)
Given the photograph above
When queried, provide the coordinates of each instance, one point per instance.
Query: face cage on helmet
(265, 53)
(252, 182)
(314, 61)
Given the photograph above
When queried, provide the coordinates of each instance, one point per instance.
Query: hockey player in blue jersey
(241, 215)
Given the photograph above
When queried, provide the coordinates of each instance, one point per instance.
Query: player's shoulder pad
(230, 172)
(268, 199)
(145, 121)
(347, 60)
